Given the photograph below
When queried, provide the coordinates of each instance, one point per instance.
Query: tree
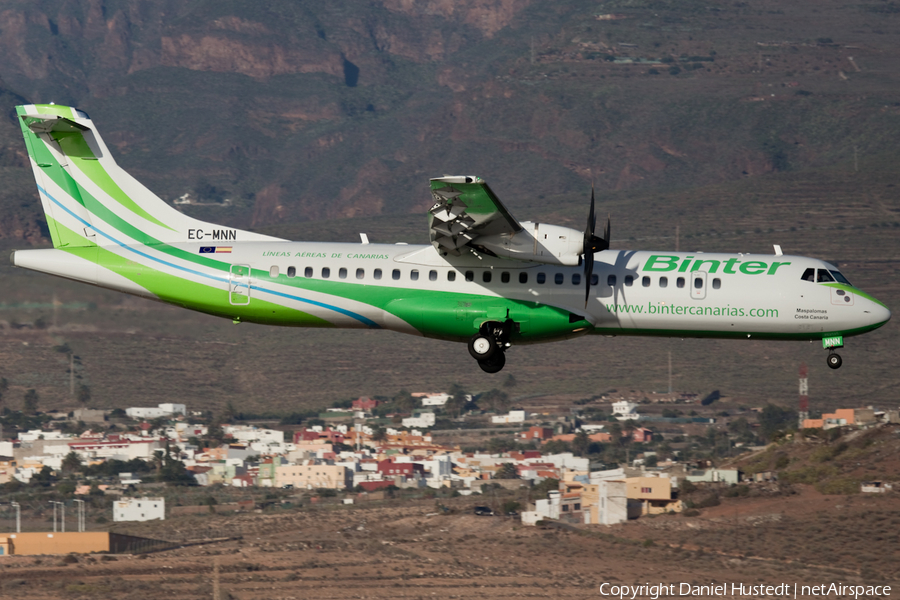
(229, 413)
(510, 381)
(84, 394)
(30, 402)
(774, 418)
(379, 434)
(495, 399)
(403, 401)
(615, 433)
(71, 463)
(457, 401)
(4, 385)
(712, 397)
(543, 489)
(581, 443)
(44, 478)
(556, 447)
(174, 472)
(507, 471)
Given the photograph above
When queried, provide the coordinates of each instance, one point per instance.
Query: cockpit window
(840, 278)
(809, 275)
(824, 276)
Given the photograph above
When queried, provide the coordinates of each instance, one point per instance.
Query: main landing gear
(489, 345)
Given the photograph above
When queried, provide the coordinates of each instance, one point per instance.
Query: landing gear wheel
(834, 361)
(482, 347)
(493, 364)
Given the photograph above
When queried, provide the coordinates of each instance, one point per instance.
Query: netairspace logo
(734, 590)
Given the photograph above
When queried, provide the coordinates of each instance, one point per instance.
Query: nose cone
(878, 314)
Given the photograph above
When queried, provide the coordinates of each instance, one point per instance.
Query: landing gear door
(239, 285)
(698, 285)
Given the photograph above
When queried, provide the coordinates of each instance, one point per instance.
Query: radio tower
(803, 414)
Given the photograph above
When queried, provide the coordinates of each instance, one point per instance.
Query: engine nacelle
(537, 242)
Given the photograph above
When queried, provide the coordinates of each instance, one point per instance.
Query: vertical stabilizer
(89, 200)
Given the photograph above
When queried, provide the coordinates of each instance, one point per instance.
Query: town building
(514, 416)
(313, 476)
(166, 409)
(650, 496)
(421, 419)
(624, 410)
(139, 509)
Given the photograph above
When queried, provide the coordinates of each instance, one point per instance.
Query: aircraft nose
(879, 314)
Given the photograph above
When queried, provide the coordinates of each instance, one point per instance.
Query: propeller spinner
(592, 244)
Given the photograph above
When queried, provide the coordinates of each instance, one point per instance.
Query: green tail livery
(486, 279)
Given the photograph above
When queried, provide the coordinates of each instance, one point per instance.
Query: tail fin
(89, 200)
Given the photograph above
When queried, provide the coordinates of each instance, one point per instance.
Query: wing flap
(464, 209)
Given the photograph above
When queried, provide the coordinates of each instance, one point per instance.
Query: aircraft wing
(464, 209)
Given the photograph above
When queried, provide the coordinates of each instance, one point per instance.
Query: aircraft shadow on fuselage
(615, 294)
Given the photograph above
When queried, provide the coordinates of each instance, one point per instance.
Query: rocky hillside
(299, 111)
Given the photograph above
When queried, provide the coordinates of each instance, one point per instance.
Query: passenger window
(360, 273)
(595, 279)
(541, 278)
(663, 282)
(504, 277)
(611, 280)
(523, 277)
(576, 278)
(273, 271)
(679, 282)
(292, 272)
(825, 276)
(326, 272)
(451, 275)
(698, 282)
(308, 272)
(342, 273)
(395, 274)
(486, 277)
(414, 274)
(809, 275)
(432, 275)
(645, 281)
(470, 275)
(376, 273)
(559, 278)
(717, 283)
(629, 279)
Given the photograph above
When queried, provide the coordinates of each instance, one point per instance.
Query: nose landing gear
(830, 343)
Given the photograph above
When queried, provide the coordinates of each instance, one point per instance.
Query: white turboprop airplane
(486, 279)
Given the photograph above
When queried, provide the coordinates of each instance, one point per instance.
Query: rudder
(87, 198)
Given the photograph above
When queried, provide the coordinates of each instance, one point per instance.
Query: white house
(139, 509)
(435, 399)
(613, 503)
(543, 509)
(514, 416)
(419, 419)
(166, 409)
(625, 410)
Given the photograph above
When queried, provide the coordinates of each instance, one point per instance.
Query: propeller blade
(588, 248)
(606, 233)
(588, 272)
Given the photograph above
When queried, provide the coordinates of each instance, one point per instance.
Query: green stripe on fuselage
(857, 291)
